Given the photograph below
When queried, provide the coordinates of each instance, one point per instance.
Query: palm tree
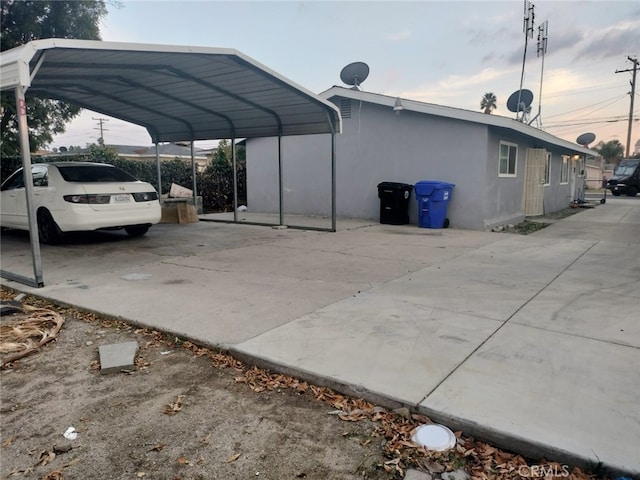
(488, 102)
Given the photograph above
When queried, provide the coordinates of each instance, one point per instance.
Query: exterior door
(535, 163)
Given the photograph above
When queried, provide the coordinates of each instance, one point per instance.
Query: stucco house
(503, 169)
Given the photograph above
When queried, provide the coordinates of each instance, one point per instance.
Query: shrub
(215, 185)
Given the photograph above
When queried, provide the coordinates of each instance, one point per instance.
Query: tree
(23, 21)
(488, 102)
(612, 151)
(221, 159)
(102, 153)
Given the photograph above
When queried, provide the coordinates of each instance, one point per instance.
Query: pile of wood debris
(25, 329)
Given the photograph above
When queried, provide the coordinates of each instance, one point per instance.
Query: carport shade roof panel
(177, 93)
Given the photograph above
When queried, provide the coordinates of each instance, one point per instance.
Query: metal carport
(178, 93)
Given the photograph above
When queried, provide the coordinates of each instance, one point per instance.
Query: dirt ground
(185, 412)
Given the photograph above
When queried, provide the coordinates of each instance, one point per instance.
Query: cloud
(616, 40)
(450, 90)
(399, 36)
(483, 36)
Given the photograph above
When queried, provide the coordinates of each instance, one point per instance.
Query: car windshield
(94, 173)
(626, 168)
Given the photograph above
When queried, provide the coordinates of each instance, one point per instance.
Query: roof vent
(345, 108)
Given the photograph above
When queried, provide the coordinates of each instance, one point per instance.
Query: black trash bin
(394, 202)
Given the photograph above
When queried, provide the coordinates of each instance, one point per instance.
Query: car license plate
(126, 198)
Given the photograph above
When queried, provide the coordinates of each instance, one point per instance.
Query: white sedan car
(79, 196)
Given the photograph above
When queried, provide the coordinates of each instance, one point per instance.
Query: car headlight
(145, 196)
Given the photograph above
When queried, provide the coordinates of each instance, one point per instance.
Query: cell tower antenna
(543, 33)
(529, 20)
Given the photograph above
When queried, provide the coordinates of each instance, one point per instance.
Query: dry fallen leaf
(46, 457)
(184, 461)
(157, 448)
(141, 474)
(174, 407)
(54, 475)
(233, 458)
(8, 441)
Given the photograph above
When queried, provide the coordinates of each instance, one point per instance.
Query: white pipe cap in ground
(434, 437)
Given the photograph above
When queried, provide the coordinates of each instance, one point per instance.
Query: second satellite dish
(354, 74)
(585, 139)
(524, 97)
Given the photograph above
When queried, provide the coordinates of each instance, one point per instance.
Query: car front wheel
(137, 230)
(48, 229)
(615, 193)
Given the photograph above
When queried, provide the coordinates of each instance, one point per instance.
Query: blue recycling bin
(433, 198)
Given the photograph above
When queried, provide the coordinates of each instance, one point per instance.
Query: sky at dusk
(444, 52)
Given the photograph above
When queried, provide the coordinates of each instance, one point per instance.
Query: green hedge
(215, 184)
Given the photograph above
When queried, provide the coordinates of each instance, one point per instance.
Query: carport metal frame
(218, 93)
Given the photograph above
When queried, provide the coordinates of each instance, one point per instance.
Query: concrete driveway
(530, 342)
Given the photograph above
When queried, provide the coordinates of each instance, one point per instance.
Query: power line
(609, 101)
(589, 122)
(581, 91)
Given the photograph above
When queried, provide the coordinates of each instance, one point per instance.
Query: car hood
(618, 178)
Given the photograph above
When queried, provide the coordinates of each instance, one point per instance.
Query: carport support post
(333, 181)
(280, 186)
(194, 174)
(159, 173)
(235, 179)
(21, 109)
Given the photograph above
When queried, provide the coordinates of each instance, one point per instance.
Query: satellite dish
(525, 96)
(354, 74)
(585, 139)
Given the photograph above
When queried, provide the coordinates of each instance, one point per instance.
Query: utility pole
(633, 94)
(101, 128)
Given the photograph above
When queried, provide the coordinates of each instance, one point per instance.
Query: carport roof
(177, 92)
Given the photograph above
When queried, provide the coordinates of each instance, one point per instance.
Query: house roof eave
(458, 114)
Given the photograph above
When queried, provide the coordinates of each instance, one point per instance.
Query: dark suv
(625, 178)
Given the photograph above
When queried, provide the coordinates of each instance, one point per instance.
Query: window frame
(547, 171)
(509, 146)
